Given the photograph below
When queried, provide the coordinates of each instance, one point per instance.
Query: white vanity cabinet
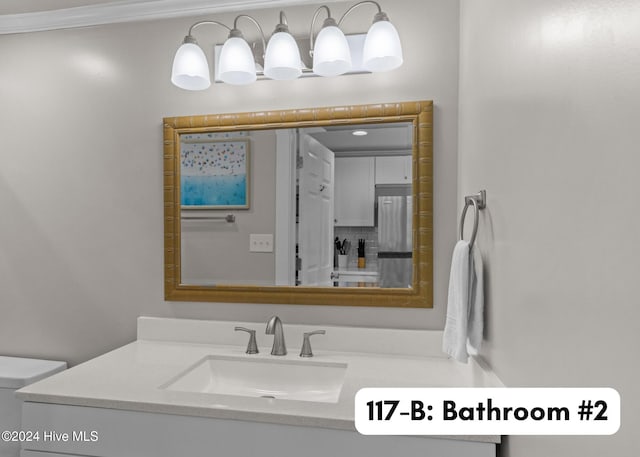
(127, 403)
(142, 434)
(354, 191)
(393, 170)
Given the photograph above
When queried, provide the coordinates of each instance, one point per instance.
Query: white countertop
(357, 271)
(130, 377)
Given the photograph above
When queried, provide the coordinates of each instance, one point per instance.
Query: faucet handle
(252, 347)
(306, 345)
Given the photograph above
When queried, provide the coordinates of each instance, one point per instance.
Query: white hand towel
(475, 325)
(463, 326)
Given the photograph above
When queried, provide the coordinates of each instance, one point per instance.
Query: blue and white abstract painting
(214, 171)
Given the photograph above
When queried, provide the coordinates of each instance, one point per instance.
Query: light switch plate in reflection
(260, 242)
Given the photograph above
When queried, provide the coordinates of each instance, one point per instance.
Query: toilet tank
(16, 373)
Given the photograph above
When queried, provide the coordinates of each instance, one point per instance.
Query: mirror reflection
(328, 206)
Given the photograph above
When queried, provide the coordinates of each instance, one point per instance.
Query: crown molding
(118, 12)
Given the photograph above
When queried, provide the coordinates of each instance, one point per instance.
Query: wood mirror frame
(420, 295)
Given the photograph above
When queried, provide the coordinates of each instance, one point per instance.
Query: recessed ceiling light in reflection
(359, 133)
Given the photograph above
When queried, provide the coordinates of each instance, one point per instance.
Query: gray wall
(217, 250)
(81, 236)
(549, 126)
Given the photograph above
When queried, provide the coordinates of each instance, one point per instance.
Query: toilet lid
(16, 372)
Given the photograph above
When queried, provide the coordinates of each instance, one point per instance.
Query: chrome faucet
(274, 327)
(306, 345)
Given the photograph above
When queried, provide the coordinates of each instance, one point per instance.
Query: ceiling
(34, 6)
(381, 139)
(37, 6)
(23, 16)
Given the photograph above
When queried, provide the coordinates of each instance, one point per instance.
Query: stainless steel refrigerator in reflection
(395, 244)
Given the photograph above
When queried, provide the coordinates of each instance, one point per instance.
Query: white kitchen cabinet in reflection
(393, 170)
(354, 191)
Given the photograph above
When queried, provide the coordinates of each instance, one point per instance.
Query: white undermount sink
(258, 377)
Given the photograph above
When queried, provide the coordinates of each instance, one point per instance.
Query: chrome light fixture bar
(329, 51)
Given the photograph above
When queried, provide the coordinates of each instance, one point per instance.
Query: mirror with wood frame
(318, 206)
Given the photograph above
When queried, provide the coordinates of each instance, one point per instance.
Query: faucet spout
(274, 327)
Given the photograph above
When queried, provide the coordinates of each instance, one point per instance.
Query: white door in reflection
(316, 212)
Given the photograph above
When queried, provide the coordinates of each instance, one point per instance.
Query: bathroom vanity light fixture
(237, 66)
(330, 52)
(282, 57)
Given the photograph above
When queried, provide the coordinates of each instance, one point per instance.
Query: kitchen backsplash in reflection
(370, 234)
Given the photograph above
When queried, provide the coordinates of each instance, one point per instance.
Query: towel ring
(479, 201)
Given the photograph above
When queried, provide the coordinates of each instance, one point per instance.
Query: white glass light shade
(236, 62)
(331, 54)
(382, 49)
(190, 68)
(282, 58)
